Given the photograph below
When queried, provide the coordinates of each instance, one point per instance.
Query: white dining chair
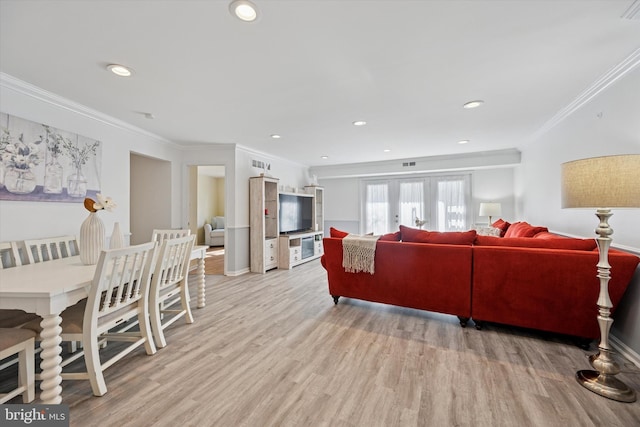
(9, 318)
(20, 342)
(159, 234)
(119, 293)
(169, 286)
(9, 255)
(39, 250)
(48, 249)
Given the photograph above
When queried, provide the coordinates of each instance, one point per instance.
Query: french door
(438, 202)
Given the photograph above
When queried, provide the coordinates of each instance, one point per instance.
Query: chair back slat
(40, 250)
(159, 235)
(173, 262)
(122, 278)
(9, 255)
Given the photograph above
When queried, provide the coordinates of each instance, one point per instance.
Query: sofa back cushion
(502, 225)
(526, 242)
(414, 235)
(523, 229)
(389, 237)
(334, 232)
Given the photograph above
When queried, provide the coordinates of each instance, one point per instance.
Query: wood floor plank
(273, 350)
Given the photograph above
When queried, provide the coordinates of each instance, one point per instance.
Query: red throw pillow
(414, 235)
(526, 242)
(502, 225)
(334, 232)
(391, 237)
(523, 229)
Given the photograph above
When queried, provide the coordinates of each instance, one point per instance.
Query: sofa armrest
(207, 228)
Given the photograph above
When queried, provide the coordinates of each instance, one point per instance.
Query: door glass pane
(451, 206)
(377, 208)
(411, 196)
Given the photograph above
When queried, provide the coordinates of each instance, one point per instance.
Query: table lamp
(490, 209)
(603, 183)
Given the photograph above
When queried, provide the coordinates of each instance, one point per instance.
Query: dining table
(47, 288)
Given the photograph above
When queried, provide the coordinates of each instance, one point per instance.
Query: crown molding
(20, 86)
(420, 165)
(606, 80)
(633, 12)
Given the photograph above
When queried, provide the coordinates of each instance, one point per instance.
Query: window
(440, 201)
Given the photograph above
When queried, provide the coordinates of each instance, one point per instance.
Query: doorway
(207, 218)
(149, 200)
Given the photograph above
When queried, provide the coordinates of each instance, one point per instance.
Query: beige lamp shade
(490, 209)
(602, 182)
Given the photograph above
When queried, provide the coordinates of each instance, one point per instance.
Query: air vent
(405, 164)
(261, 165)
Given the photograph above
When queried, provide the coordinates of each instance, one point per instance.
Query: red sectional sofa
(433, 277)
(542, 282)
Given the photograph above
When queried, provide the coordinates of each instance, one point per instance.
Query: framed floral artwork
(41, 163)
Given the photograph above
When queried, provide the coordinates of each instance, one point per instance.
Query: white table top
(45, 287)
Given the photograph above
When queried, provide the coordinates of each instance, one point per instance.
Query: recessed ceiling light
(359, 123)
(276, 136)
(120, 70)
(244, 10)
(324, 157)
(473, 104)
(386, 150)
(463, 141)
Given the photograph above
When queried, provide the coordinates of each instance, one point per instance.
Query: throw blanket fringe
(358, 253)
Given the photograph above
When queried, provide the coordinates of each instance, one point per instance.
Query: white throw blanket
(358, 253)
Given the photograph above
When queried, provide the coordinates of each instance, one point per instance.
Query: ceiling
(307, 69)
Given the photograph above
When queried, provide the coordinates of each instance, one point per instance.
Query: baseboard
(239, 272)
(624, 350)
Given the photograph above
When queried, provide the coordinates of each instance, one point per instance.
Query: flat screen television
(295, 213)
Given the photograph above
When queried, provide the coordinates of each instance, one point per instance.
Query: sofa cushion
(334, 232)
(219, 222)
(526, 242)
(449, 237)
(502, 225)
(390, 237)
(523, 229)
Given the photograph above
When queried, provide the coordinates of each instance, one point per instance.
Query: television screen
(295, 213)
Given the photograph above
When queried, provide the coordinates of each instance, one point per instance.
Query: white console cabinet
(263, 223)
(298, 248)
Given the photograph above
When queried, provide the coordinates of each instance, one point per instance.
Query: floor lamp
(603, 183)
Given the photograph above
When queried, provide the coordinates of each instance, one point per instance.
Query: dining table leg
(51, 391)
(201, 283)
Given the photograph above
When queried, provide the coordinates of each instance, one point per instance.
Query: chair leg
(26, 373)
(145, 331)
(184, 300)
(156, 323)
(92, 362)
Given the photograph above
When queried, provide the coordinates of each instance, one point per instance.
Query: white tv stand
(291, 250)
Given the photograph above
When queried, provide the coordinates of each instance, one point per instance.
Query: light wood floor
(273, 350)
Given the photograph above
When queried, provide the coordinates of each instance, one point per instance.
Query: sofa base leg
(584, 343)
(479, 324)
(335, 298)
(463, 321)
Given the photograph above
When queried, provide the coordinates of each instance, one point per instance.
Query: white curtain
(411, 202)
(452, 197)
(377, 208)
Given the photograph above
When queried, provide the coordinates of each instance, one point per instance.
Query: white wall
(342, 197)
(609, 124)
(23, 220)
